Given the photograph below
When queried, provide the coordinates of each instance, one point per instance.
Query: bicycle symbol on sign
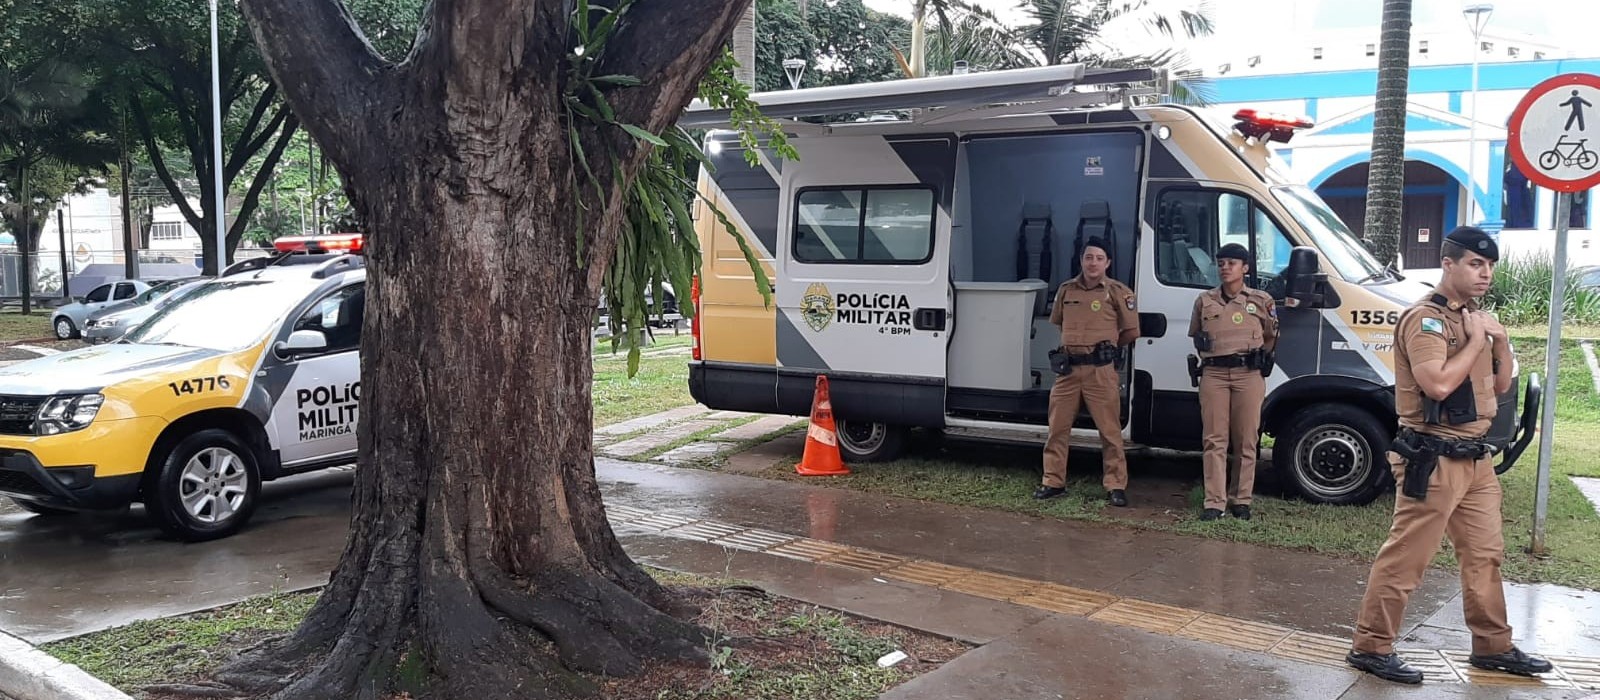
(1567, 152)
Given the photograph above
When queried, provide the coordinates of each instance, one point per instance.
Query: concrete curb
(29, 674)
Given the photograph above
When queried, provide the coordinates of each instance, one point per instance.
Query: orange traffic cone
(822, 438)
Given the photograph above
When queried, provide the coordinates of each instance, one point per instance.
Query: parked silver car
(68, 321)
(111, 322)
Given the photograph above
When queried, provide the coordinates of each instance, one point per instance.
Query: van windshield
(1334, 240)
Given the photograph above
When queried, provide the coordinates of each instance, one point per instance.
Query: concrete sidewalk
(1032, 652)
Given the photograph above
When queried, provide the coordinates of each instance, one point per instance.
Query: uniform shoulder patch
(1432, 325)
(1130, 302)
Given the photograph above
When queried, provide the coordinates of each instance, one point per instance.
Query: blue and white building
(1456, 165)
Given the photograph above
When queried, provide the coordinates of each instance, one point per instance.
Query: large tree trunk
(1386, 178)
(480, 563)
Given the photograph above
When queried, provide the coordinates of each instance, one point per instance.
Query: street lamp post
(216, 147)
(795, 69)
(1477, 19)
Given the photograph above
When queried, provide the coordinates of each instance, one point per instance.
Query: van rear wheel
(870, 442)
(1334, 453)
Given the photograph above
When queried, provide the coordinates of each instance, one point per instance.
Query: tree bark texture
(480, 562)
(1386, 178)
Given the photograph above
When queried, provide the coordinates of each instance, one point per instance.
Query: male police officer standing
(1235, 329)
(1451, 361)
(1097, 317)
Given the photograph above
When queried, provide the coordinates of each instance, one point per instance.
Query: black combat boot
(1389, 667)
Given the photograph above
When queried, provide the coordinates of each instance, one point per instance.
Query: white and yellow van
(914, 256)
(252, 377)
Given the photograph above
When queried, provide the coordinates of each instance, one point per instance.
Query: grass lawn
(662, 381)
(15, 326)
(1003, 478)
(800, 651)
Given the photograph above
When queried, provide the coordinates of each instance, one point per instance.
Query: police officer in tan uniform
(1451, 361)
(1235, 329)
(1097, 316)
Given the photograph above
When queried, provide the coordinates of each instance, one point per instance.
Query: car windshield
(226, 315)
(1334, 240)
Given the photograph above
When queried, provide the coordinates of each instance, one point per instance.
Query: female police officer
(1235, 329)
(1450, 362)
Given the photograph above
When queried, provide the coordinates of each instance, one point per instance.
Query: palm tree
(1069, 31)
(1386, 174)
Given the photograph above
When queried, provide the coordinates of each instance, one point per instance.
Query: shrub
(1521, 293)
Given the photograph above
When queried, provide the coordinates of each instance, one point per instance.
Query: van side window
(1192, 224)
(338, 316)
(873, 225)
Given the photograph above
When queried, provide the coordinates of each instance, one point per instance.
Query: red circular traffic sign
(1550, 133)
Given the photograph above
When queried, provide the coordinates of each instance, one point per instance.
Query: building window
(1372, 49)
(1538, 55)
(1316, 53)
(166, 231)
(1513, 51)
(1519, 200)
(1422, 46)
(1487, 47)
(1255, 61)
(884, 225)
(1580, 211)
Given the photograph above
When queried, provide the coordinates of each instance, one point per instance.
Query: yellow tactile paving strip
(1438, 666)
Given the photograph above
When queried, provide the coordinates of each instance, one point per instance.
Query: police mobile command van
(252, 377)
(914, 259)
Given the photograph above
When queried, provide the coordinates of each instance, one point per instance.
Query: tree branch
(252, 197)
(242, 147)
(669, 46)
(142, 122)
(326, 68)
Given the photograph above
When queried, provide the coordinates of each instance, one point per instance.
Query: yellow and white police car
(253, 377)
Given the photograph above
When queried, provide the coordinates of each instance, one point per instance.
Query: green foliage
(657, 245)
(1521, 293)
(853, 44)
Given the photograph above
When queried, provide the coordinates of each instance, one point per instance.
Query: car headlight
(104, 323)
(64, 414)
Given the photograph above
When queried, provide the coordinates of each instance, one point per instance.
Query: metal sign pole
(1552, 363)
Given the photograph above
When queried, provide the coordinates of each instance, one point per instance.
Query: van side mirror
(1306, 286)
(301, 343)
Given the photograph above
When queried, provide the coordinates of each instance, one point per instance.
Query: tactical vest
(1235, 326)
(1088, 316)
(1471, 408)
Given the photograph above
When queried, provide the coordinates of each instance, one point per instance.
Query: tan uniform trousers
(1099, 388)
(1464, 502)
(1230, 407)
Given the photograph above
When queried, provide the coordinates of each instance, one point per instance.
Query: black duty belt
(1247, 360)
(1453, 448)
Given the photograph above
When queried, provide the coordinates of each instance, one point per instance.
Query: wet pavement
(68, 576)
(65, 576)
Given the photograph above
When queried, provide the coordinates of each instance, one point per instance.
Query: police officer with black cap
(1235, 329)
(1451, 361)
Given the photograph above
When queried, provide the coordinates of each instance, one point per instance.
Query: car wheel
(869, 442)
(64, 328)
(37, 509)
(205, 488)
(1335, 454)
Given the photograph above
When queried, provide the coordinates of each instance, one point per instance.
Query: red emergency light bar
(334, 243)
(1276, 127)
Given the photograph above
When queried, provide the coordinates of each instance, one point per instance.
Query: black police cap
(1235, 251)
(1097, 242)
(1474, 239)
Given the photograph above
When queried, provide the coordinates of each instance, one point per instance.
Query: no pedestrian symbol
(1554, 134)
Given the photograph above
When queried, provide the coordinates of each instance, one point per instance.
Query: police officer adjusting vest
(1469, 410)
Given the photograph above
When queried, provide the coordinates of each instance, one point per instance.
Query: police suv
(252, 377)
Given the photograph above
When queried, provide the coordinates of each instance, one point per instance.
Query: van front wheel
(1334, 453)
(869, 442)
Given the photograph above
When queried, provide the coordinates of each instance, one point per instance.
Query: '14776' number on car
(1368, 317)
(198, 385)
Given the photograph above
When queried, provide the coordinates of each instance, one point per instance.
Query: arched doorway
(1432, 201)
